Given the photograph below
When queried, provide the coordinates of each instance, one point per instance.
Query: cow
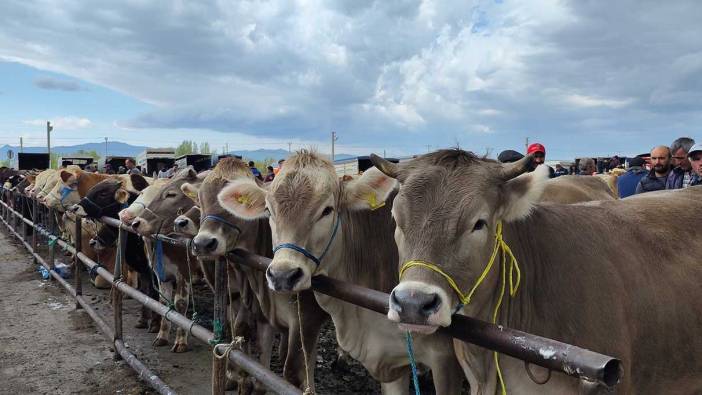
(156, 215)
(221, 232)
(633, 293)
(188, 223)
(342, 229)
(105, 199)
(576, 189)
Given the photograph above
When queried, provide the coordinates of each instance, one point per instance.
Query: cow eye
(327, 211)
(170, 194)
(479, 225)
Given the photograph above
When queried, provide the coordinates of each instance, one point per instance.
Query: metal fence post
(76, 260)
(116, 293)
(51, 241)
(24, 224)
(219, 323)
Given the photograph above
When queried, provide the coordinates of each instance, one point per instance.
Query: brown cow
(610, 276)
(345, 223)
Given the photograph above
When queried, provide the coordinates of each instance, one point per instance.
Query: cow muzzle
(288, 279)
(206, 245)
(419, 307)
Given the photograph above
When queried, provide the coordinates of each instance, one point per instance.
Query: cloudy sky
(582, 77)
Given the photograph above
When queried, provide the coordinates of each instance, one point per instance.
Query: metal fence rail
(569, 359)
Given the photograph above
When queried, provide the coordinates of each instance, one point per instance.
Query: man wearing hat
(695, 157)
(627, 182)
(539, 152)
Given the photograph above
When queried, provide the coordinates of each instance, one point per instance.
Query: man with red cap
(539, 152)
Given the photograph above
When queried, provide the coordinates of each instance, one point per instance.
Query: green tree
(5, 163)
(185, 148)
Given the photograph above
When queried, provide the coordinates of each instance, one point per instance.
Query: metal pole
(116, 293)
(333, 139)
(105, 149)
(21, 145)
(220, 299)
(52, 241)
(78, 231)
(49, 128)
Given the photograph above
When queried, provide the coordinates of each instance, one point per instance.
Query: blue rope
(160, 272)
(413, 363)
(308, 254)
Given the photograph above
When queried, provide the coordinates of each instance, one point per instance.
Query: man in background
(656, 179)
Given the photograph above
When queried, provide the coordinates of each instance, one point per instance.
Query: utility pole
(105, 149)
(21, 145)
(428, 148)
(226, 148)
(49, 128)
(384, 156)
(289, 147)
(526, 145)
(333, 138)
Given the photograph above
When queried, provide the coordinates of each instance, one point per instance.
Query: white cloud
(589, 101)
(69, 122)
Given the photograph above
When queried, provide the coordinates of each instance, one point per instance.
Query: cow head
(170, 202)
(220, 231)
(106, 198)
(188, 224)
(304, 205)
(145, 198)
(447, 212)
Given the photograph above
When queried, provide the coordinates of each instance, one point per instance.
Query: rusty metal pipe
(562, 357)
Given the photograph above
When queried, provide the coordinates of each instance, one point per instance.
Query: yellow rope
(500, 246)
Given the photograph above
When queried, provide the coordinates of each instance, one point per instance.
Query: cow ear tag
(373, 201)
(245, 200)
(191, 194)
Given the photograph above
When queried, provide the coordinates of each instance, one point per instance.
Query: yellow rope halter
(500, 245)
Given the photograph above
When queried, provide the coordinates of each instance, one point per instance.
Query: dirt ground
(47, 346)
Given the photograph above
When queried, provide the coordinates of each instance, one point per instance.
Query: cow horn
(388, 168)
(511, 170)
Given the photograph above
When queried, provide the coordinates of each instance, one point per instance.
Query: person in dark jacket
(656, 179)
(255, 171)
(627, 182)
(695, 157)
(681, 175)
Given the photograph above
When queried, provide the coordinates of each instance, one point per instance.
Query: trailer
(150, 160)
(356, 165)
(114, 162)
(199, 162)
(81, 161)
(29, 161)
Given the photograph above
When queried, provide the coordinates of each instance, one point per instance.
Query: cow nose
(204, 244)
(92, 242)
(413, 306)
(73, 208)
(181, 223)
(284, 280)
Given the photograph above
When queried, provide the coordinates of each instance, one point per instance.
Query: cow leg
(181, 305)
(165, 327)
(283, 348)
(294, 367)
(397, 387)
(265, 334)
(447, 376)
(141, 285)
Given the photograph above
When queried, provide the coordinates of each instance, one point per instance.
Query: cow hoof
(159, 342)
(179, 347)
(101, 283)
(141, 324)
(154, 327)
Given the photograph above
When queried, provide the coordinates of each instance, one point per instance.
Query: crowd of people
(665, 167)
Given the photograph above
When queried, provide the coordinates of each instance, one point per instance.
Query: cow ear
(191, 191)
(66, 175)
(520, 194)
(369, 191)
(244, 199)
(138, 182)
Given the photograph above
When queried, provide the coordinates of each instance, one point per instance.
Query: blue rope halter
(221, 220)
(307, 254)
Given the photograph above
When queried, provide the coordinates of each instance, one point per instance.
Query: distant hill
(115, 148)
(118, 148)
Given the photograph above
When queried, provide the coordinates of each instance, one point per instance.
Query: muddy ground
(47, 346)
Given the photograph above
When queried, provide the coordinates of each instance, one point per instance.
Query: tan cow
(221, 232)
(575, 189)
(324, 225)
(615, 277)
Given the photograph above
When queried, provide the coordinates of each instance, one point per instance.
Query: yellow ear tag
(245, 200)
(373, 201)
(191, 194)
